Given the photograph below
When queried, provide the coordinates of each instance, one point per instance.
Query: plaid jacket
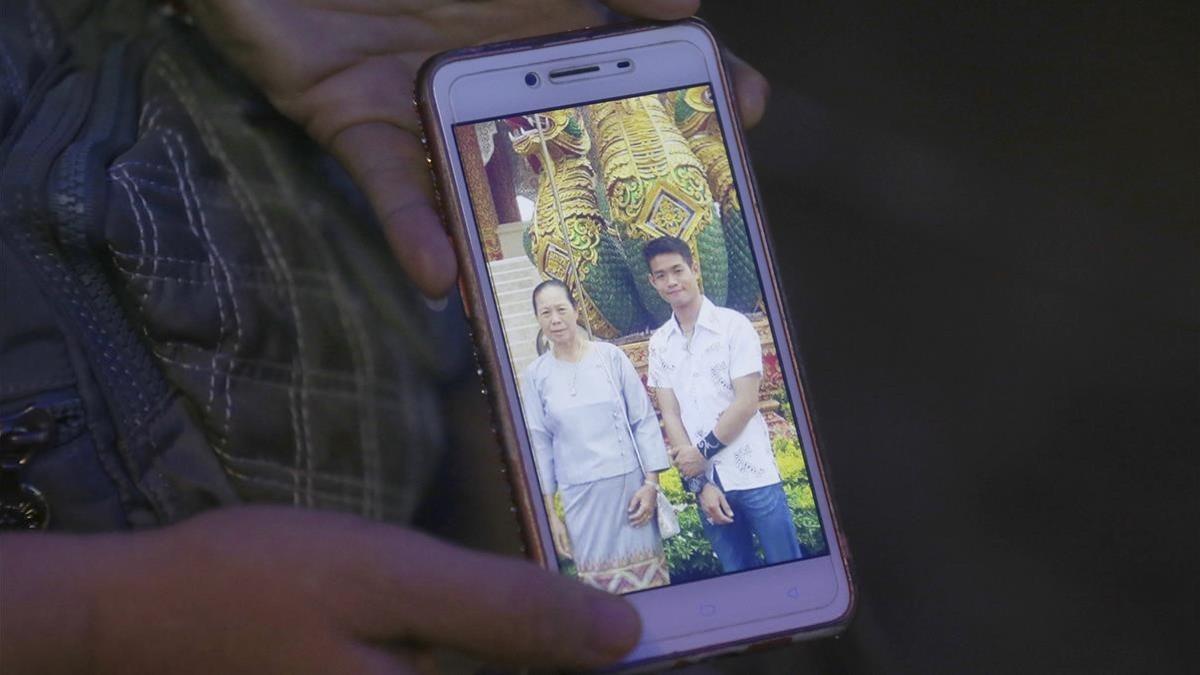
(194, 291)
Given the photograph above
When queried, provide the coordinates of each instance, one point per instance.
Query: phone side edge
(771, 265)
(437, 151)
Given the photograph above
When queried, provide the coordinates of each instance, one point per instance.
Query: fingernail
(616, 626)
(436, 304)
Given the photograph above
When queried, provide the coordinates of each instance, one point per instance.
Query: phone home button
(708, 609)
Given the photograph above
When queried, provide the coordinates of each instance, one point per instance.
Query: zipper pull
(22, 506)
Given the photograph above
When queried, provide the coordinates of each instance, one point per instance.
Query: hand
(714, 505)
(558, 532)
(278, 590)
(344, 70)
(643, 505)
(688, 460)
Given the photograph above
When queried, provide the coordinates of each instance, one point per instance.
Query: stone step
(528, 330)
(523, 335)
(512, 297)
(525, 267)
(502, 284)
(510, 282)
(513, 280)
(517, 314)
(515, 284)
(508, 264)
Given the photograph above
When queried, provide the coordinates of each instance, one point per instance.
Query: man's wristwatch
(695, 484)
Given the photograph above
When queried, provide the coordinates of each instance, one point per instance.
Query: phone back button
(707, 609)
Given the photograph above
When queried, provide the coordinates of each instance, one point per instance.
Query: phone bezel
(759, 608)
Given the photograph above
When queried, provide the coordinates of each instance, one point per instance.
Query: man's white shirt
(700, 372)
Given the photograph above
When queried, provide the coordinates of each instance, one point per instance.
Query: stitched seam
(225, 455)
(395, 404)
(187, 207)
(112, 464)
(245, 268)
(392, 390)
(360, 350)
(141, 164)
(147, 121)
(137, 217)
(362, 364)
(270, 250)
(344, 500)
(151, 183)
(267, 285)
(154, 238)
(216, 253)
(85, 313)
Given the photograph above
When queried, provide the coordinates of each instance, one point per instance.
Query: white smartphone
(629, 324)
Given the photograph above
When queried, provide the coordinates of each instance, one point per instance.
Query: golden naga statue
(695, 115)
(569, 239)
(655, 185)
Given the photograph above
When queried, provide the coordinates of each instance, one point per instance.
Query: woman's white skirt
(609, 553)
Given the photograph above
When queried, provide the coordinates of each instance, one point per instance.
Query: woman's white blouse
(582, 437)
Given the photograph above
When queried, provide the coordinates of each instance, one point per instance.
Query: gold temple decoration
(654, 182)
(703, 133)
(567, 226)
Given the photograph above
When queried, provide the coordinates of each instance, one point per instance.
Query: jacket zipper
(44, 424)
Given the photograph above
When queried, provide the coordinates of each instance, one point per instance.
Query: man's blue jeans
(761, 512)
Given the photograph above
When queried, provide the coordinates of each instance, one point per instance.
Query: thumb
(402, 585)
(388, 164)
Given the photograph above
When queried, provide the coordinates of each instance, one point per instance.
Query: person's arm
(672, 421)
(643, 421)
(733, 419)
(540, 438)
(542, 443)
(282, 590)
(745, 373)
(691, 464)
(647, 435)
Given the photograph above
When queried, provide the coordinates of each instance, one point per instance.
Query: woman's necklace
(574, 379)
(573, 390)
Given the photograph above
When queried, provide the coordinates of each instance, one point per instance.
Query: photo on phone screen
(633, 315)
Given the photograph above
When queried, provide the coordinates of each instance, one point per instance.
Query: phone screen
(633, 315)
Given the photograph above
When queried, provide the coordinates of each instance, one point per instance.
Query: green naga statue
(695, 116)
(655, 185)
(569, 240)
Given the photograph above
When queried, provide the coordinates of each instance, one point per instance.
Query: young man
(705, 366)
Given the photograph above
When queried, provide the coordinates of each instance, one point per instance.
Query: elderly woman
(593, 432)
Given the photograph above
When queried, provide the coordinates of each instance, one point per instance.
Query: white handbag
(668, 520)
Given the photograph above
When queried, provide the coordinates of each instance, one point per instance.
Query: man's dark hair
(665, 245)
(555, 283)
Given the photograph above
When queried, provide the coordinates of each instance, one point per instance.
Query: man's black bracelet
(709, 445)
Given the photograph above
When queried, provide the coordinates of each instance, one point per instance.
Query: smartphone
(635, 345)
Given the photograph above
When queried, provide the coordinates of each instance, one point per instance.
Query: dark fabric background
(987, 214)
